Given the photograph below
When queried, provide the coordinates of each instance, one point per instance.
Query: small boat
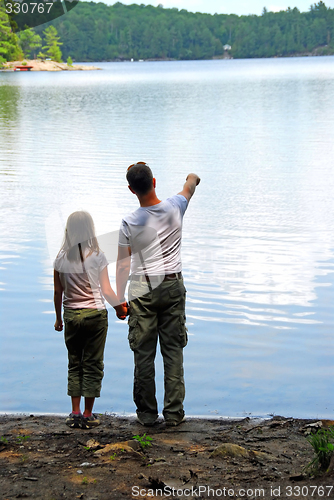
(23, 68)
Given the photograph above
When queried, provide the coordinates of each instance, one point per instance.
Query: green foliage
(144, 441)
(22, 439)
(96, 31)
(69, 61)
(29, 41)
(3, 440)
(322, 443)
(52, 44)
(5, 33)
(113, 456)
(9, 47)
(84, 480)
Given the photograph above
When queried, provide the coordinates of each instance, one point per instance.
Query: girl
(80, 282)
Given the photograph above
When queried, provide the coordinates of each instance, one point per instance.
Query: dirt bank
(39, 65)
(41, 458)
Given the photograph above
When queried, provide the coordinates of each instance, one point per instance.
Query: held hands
(59, 325)
(122, 310)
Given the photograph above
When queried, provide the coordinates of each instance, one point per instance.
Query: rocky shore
(41, 458)
(41, 65)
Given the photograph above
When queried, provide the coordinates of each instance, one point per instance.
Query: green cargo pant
(158, 313)
(85, 337)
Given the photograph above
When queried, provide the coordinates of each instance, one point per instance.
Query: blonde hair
(79, 235)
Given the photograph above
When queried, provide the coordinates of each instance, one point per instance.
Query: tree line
(98, 32)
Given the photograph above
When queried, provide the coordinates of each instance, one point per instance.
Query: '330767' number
(25, 8)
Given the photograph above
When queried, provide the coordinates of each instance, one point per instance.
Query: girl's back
(80, 280)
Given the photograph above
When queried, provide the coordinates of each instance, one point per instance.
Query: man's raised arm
(189, 187)
(122, 270)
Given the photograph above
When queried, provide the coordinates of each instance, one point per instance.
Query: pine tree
(29, 41)
(52, 44)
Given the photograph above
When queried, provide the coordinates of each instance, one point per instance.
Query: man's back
(154, 236)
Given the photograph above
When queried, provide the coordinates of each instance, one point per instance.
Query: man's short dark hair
(140, 178)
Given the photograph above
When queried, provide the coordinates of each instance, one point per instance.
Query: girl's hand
(59, 325)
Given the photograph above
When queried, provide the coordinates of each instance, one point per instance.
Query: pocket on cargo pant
(183, 331)
(177, 290)
(133, 332)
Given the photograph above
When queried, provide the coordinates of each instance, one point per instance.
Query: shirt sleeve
(57, 264)
(103, 261)
(124, 239)
(180, 201)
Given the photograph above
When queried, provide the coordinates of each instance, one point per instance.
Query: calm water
(258, 247)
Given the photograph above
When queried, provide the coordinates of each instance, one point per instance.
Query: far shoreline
(215, 58)
(42, 65)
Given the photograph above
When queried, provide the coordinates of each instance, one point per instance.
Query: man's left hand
(122, 310)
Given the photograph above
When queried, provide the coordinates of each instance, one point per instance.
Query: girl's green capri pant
(85, 338)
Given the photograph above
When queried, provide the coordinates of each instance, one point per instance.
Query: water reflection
(9, 114)
(9, 98)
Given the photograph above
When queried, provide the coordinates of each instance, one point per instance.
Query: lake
(258, 238)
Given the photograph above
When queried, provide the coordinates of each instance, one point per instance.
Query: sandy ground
(41, 458)
(38, 65)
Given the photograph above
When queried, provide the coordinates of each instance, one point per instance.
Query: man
(150, 242)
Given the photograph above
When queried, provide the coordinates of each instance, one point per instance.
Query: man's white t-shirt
(80, 282)
(154, 235)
